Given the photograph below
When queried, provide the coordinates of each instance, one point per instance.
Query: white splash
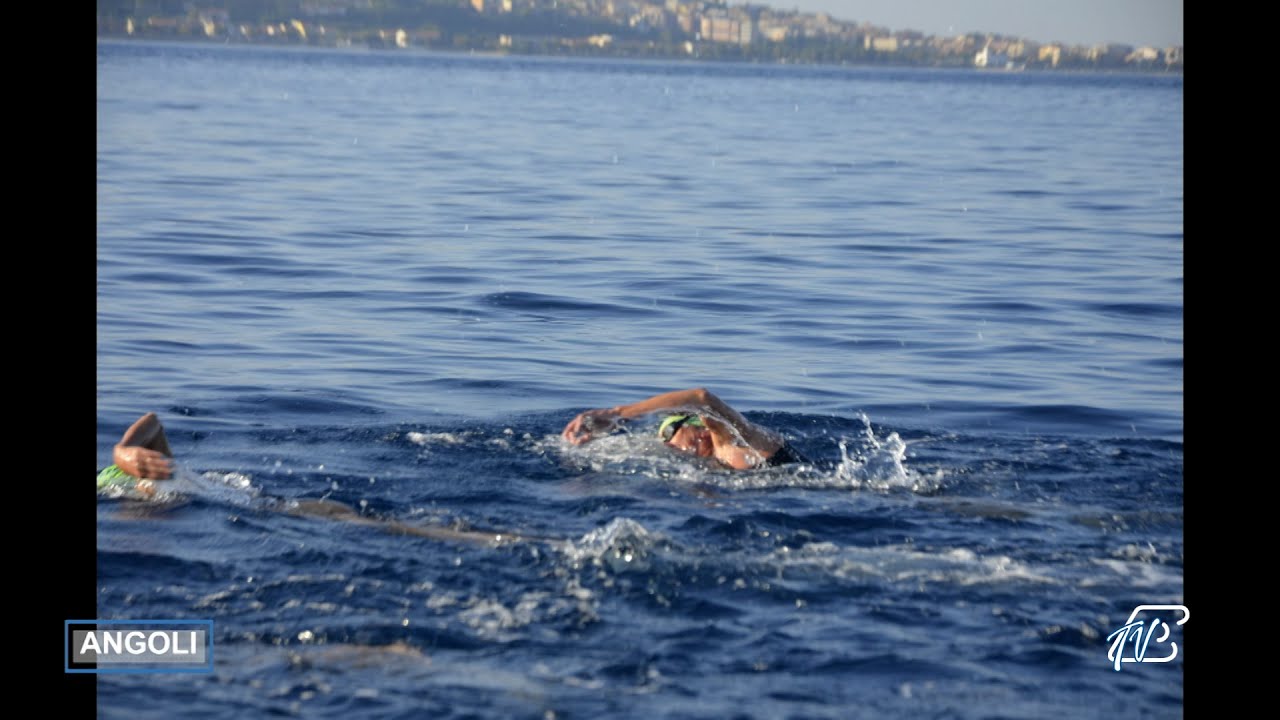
(437, 438)
(623, 545)
(232, 488)
(882, 466)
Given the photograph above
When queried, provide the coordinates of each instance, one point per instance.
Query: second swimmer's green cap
(672, 423)
(113, 475)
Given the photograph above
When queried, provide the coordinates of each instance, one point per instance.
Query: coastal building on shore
(648, 28)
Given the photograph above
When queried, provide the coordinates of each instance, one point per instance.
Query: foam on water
(622, 545)
(438, 438)
(906, 564)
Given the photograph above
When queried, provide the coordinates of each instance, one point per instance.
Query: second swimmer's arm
(143, 451)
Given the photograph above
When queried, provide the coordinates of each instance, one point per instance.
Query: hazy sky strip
(1074, 22)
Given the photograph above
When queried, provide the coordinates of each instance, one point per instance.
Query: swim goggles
(673, 423)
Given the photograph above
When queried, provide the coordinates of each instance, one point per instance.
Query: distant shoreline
(361, 49)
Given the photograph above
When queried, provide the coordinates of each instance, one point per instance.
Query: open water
(388, 279)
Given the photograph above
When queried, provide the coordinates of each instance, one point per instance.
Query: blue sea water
(388, 279)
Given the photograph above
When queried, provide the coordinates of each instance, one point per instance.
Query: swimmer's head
(672, 423)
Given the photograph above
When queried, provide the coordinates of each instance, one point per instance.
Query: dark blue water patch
(194, 236)
(334, 294)
(1137, 310)
(235, 219)
(780, 261)
(987, 168)
(783, 235)
(867, 344)
(1045, 229)
(989, 382)
(902, 249)
(1026, 348)
(1100, 207)
(1047, 660)
(445, 382)
(171, 277)
(881, 664)
(288, 269)
(1010, 306)
(196, 181)
(697, 607)
(543, 195)
(303, 404)
(113, 565)
(540, 303)
(1167, 336)
(446, 275)
(1074, 420)
(602, 505)
(363, 233)
(273, 143)
(187, 257)
(482, 191)
(523, 217)
(232, 313)
(796, 530)
(1140, 523)
(729, 332)
(809, 340)
(166, 346)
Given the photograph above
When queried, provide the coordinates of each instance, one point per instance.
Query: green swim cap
(672, 423)
(113, 475)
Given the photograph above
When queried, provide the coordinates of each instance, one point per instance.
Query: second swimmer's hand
(589, 424)
(142, 462)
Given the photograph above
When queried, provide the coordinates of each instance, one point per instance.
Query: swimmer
(143, 457)
(697, 423)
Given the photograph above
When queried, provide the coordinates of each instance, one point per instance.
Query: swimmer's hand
(142, 462)
(590, 424)
(143, 451)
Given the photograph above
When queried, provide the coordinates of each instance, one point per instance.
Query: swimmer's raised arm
(143, 450)
(591, 423)
(699, 401)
